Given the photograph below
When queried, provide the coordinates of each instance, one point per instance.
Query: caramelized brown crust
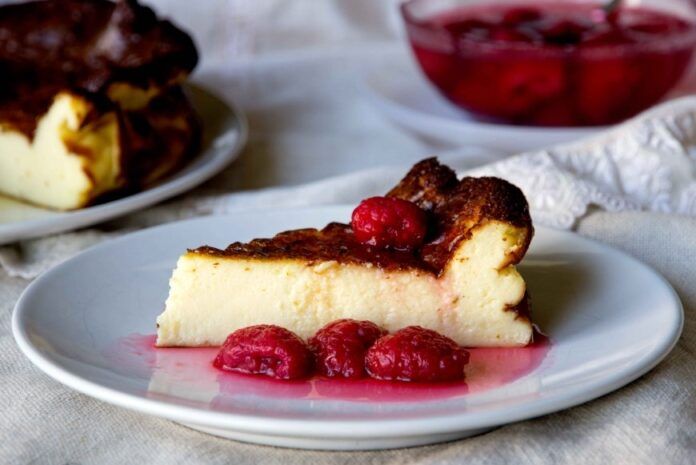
(335, 242)
(86, 46)
(158, 138)
(456, 209)
(83, 46)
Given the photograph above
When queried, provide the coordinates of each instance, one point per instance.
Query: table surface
(307, 122)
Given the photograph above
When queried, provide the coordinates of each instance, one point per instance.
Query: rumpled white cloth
(314, 140)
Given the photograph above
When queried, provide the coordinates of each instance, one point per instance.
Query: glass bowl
(551, 63)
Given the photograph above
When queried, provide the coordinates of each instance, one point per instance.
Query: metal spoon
(611, 6)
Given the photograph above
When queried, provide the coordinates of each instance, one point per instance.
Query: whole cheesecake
(91, 103)
(462, 282)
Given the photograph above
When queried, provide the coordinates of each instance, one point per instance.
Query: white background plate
(404, 96)
(610, 318)
(225, 132)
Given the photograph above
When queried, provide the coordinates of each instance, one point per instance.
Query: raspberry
(416, 354)
(340, 347)
(388, 222)
(265, 350)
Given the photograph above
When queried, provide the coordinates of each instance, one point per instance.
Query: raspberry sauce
(551, 64)
(189, 371)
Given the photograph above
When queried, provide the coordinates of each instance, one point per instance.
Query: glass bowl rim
(672, 42)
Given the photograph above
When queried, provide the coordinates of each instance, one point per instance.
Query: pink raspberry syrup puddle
(189, 373)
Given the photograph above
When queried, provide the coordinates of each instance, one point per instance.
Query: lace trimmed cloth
(648, 163)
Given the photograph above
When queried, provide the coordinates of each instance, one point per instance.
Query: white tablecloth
(290, 64)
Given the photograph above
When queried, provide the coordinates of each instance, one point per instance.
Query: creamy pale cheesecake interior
(91, 103)
(462, 283)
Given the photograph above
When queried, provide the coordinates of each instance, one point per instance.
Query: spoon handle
(611, 6)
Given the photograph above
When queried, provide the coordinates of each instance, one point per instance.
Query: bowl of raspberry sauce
(543, 63)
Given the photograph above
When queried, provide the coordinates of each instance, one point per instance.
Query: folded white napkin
(647, 163)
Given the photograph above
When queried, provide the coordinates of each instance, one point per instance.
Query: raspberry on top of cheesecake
(90, 100)
(461, 281)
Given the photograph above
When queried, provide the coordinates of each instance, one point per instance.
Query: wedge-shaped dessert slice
(90, 100)
(461, 283)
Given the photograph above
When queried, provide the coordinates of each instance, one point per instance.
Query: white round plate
(225, 133)
(610, 319)
(404, 96)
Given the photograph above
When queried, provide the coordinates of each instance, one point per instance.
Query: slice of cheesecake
(90, 100)
(77, 153)
(461, 283)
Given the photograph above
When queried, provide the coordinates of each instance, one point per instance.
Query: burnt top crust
(83, 46)
(456, 208)
(335, 242)
(157, 139)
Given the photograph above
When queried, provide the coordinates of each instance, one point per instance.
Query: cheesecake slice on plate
(91, 103)
(461, 282)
